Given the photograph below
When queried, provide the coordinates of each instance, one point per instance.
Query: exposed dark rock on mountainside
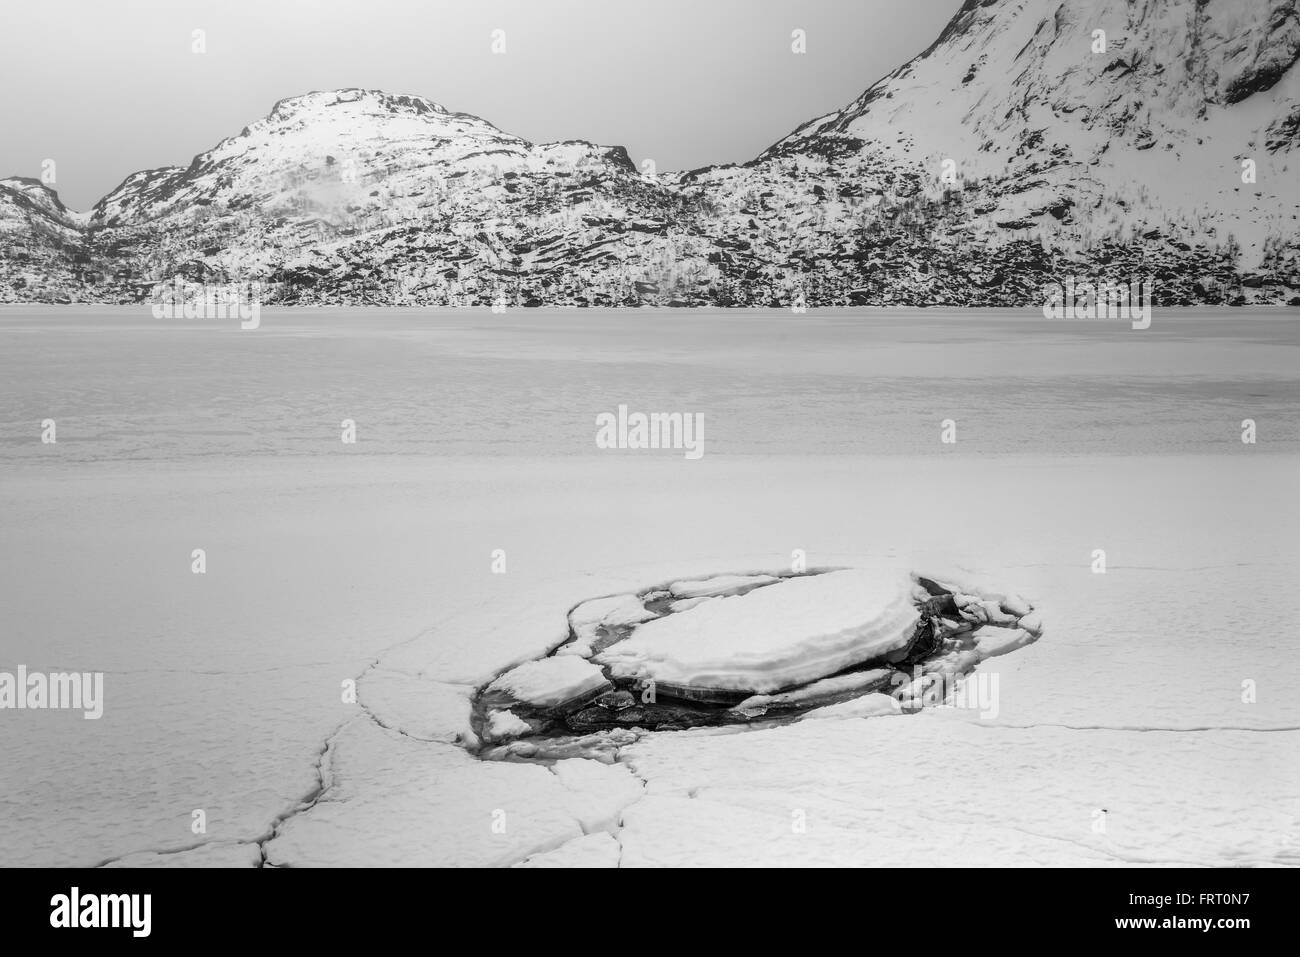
(1006, 156)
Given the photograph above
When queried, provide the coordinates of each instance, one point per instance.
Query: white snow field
(1155, 721)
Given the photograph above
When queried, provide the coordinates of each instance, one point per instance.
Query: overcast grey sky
(108, 87)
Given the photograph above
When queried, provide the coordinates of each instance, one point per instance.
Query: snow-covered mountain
(43, 244)
(1021, 148)
(1067, 161)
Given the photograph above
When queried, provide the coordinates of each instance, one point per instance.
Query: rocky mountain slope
(43, 245)
(1066, 161)
(1014, 152)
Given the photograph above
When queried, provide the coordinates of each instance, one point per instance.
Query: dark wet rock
(699, 694)
(652, 717)
(616, 700)
(927, 638)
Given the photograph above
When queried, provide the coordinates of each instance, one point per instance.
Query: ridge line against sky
(111, 87)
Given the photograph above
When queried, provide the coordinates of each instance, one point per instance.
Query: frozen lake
(476, 433)
(124, 386)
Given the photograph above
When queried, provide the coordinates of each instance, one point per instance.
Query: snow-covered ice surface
(393, 800)
(211, 854)
(717, 585)
(1160, 700)
(590, 850)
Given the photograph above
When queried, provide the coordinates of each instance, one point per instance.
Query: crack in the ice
(310, 799)
(168, 851)
(617, 833)
(305, 803)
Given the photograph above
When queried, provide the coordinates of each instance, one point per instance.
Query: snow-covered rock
(825, 691)
(772, 638)
(551, 682)
(505, 725)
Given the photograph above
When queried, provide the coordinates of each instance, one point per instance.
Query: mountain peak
(355, 98)
(35, 191)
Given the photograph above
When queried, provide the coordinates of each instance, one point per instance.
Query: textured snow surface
(591, 850)
(223, 692)
(393, 800)
(593, 618)
(717, 586)
(843, 786)
(683, 603)
(867, 706)
(432, 711)
(773, 637)
(205, 855)
(924, 789)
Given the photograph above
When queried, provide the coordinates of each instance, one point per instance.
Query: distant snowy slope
(358, 195)
(42, 243)
(1065, 159)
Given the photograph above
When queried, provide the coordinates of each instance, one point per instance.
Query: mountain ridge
(1008, 154)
